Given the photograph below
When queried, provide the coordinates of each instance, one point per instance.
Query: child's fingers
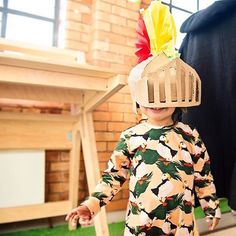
(212, 222)
(74, 220)
(69, 216)
(215, 222)
(84, 221)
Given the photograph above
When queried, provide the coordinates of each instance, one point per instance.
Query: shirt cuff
(93, 205)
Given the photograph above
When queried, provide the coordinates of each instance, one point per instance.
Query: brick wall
(105, 31)
(109, 30)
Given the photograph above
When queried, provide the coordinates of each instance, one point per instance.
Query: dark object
(210, 48)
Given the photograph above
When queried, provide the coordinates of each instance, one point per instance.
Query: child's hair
(177, 115)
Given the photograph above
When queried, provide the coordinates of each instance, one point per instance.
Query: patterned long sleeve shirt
(164, 165)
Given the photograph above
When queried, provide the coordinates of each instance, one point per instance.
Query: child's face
(159, 116)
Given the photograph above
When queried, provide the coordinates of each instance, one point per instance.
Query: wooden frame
(50, 74)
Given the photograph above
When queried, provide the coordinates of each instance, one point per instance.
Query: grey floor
(226, 227)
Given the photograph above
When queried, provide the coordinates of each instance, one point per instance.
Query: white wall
(22, 177)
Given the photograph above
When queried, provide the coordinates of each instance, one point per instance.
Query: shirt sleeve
(203, 179)
(112, 178)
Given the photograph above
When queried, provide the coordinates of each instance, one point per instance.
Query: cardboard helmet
(162, 82)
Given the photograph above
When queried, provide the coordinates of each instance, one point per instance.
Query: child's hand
(80, 214)
(212, 222)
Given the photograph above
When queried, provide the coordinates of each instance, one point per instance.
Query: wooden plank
(38, 117)
(74, 166)
(40, 93)
(92, 167)
(30, 212)
(26, 76)
(48, 58)
(26, 61)
(25, 134)
(47, 52)
(114, 85)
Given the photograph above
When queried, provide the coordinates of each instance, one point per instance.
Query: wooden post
(74, 167)
(92, 167)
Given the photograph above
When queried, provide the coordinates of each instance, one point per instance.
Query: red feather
(142, 42)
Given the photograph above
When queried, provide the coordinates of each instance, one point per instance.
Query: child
(164, 159)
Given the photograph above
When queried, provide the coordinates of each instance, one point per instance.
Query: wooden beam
(26, 134)
(114, 85)
(39, 51)
(92, 167)
(26, 76)
(30, 212)
(50, 59)
(56, 66)
(38, 117)
(40, 93)
(74, 166)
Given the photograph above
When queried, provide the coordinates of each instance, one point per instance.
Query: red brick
(113, 38)
(100, 126)
(111, 146)
(129, 117)
(58, 187)
(73, 34)
(52, 156)
(134, 6)
(78, 7)
(102, 107)
(106, 136)
(118, 126)
(126, 50)
(116, 116)
(100, 45)
(88, 2)
(121, 3)
(59, 166)
(101, 146)
(101, 116)
(102, 166)
(102, 6)
(120, 30)
(128, 99)
(102, 25)
(77, 45)
(108, 56)
(111, 18)
(82, 195)
(104, 156)
(125, 89)
(121, 68)
(130, 60)
(64, 196)
(117, 97)
(132, 24)
(121, 11)
(57, 177)
(77, 26)
(82, 175)
(119, 107)
(85, 37)
(64, 156)
(53, 197)
(74, 16)
(100, 63)
(86, 19)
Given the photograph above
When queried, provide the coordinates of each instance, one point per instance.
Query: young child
(164, 159)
